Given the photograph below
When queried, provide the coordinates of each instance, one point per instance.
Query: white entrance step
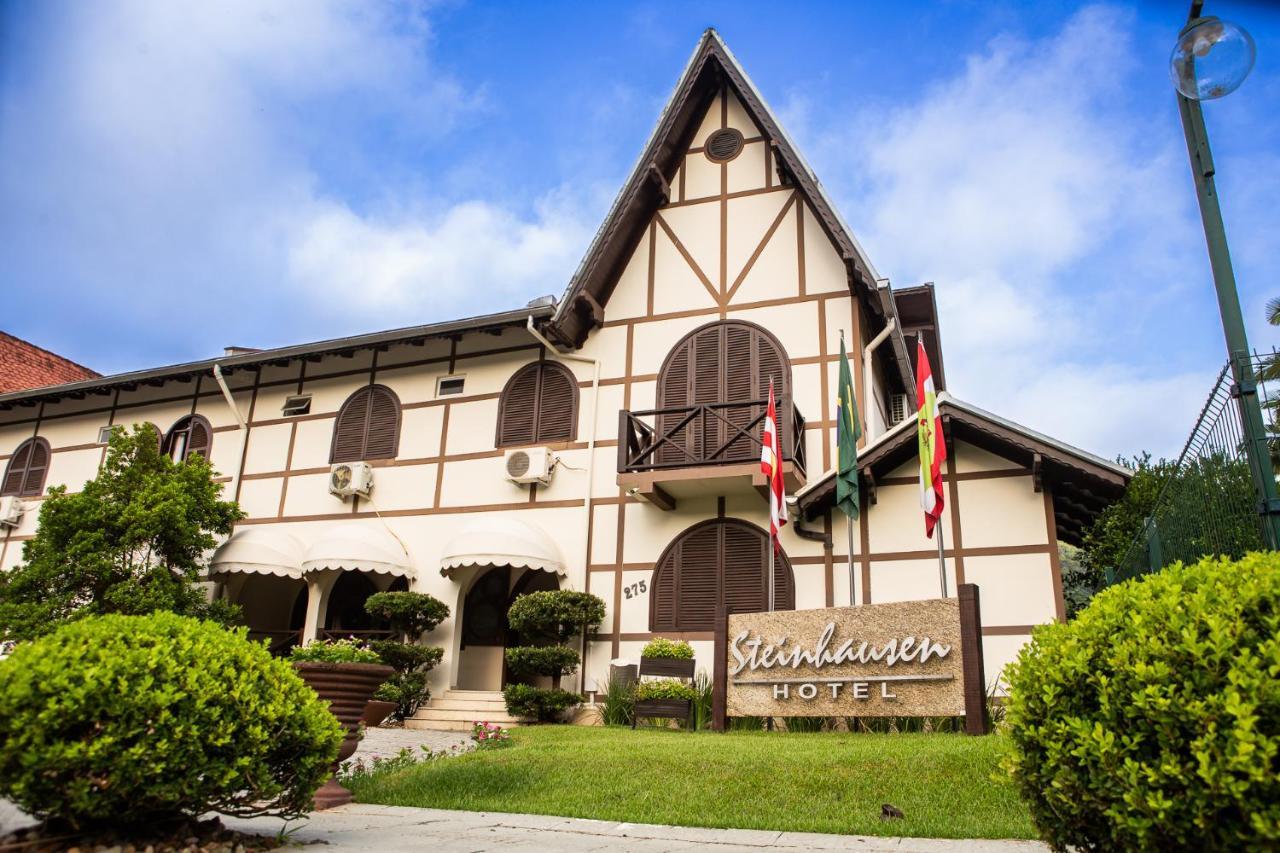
(458, 710)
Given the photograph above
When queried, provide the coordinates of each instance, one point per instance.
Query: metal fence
(1209, 505)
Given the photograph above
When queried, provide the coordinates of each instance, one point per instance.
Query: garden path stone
(389, 829)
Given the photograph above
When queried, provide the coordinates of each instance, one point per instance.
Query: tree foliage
(1107, 540)
(132, 541)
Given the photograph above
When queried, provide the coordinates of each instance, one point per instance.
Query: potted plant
(411, 614)
(344, 674)
(669, 696)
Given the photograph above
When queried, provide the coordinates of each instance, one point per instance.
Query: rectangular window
(448, 386)
(104, 434)
(299, 404)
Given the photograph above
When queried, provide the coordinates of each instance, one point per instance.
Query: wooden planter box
(675, 709)
(668, 667)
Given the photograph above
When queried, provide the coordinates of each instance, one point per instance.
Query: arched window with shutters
(730, 361)
(722, 559)
(368, 426)
(539, 405)
(27, 469)
(189, 435)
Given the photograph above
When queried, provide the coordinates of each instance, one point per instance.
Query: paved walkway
(388, 829)
(386, 743)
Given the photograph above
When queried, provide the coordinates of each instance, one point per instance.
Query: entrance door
(485, 633)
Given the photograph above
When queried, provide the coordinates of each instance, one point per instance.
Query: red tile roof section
(24, 365)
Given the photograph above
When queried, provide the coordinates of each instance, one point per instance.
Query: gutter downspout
(868, 375)
(244, 427)
(591, 464)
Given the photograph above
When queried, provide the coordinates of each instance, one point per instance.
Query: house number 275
(635, 590)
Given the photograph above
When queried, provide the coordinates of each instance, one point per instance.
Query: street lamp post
(1211, 59)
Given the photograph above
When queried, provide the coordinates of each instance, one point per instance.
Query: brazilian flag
(848, 431)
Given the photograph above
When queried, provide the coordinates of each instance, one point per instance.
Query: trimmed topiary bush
(138, 719)
(554, 661)
(1152, 721)
(539, 703)
(411, 614)
(558, 612)
(661, 647)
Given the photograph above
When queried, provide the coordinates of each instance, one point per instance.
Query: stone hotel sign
(905, 659)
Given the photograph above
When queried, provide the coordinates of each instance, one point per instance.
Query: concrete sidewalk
(387, 829)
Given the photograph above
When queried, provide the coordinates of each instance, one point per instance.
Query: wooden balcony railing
(707, 434)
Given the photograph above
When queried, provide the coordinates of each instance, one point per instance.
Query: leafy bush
(333, 651)
(704, 688)
(1152, 721)
(137, 719)
(661, 647)
(554, 661)
(665, 689)
(133, 540)
(407, 689)
(538, 703)
(407, 657)
(616, 703)
(558, 613)
(411, 614)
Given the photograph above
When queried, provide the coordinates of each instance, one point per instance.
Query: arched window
(368, 426)
(189, 435)
(722, 559)
(538, 406)
(726, 362)
(25, 475)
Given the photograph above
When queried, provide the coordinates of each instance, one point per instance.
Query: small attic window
(298, 404)
(104, 434)
(723, 145)
(448, 386)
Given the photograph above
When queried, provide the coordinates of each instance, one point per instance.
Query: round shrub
(1152, 721)
(135, 719)
(539, 703)
(661, 647)
(410, 613)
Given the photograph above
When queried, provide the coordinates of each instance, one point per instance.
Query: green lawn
(949, 785)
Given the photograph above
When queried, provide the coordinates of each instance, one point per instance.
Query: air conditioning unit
(11, 510)
(899, 408)
(532, 465)
(350, 478)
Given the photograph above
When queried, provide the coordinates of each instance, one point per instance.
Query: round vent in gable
(723, 145)
(517, 464)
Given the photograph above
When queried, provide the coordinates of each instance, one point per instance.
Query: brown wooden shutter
(368, 426)
(557, 404)
(725, 362)
(16, 474)
(518, 408)
(200, 437)
(382, 435)
(713, 561)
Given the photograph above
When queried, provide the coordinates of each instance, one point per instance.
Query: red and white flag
(933, 448)
(771, 466)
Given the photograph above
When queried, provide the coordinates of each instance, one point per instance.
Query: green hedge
(1153, 719)
(136, 719)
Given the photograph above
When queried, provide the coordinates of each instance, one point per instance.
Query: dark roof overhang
(279, 356)
(1083, 485)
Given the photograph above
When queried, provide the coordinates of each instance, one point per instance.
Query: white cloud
(1052, 220)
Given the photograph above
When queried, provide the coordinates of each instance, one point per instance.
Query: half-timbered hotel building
(606, 440)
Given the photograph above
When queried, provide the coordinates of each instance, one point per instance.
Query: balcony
(709, 448)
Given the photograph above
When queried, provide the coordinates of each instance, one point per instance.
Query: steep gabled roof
(711, 67)
(25, 365)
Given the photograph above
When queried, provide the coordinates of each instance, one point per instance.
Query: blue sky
(174, 180)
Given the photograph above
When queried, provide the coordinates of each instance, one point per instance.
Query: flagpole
(942, 562)
(772, 546)
(853, 600)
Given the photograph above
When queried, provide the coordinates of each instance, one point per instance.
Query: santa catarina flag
(848, 431)
(933, 450)
(771, 467)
